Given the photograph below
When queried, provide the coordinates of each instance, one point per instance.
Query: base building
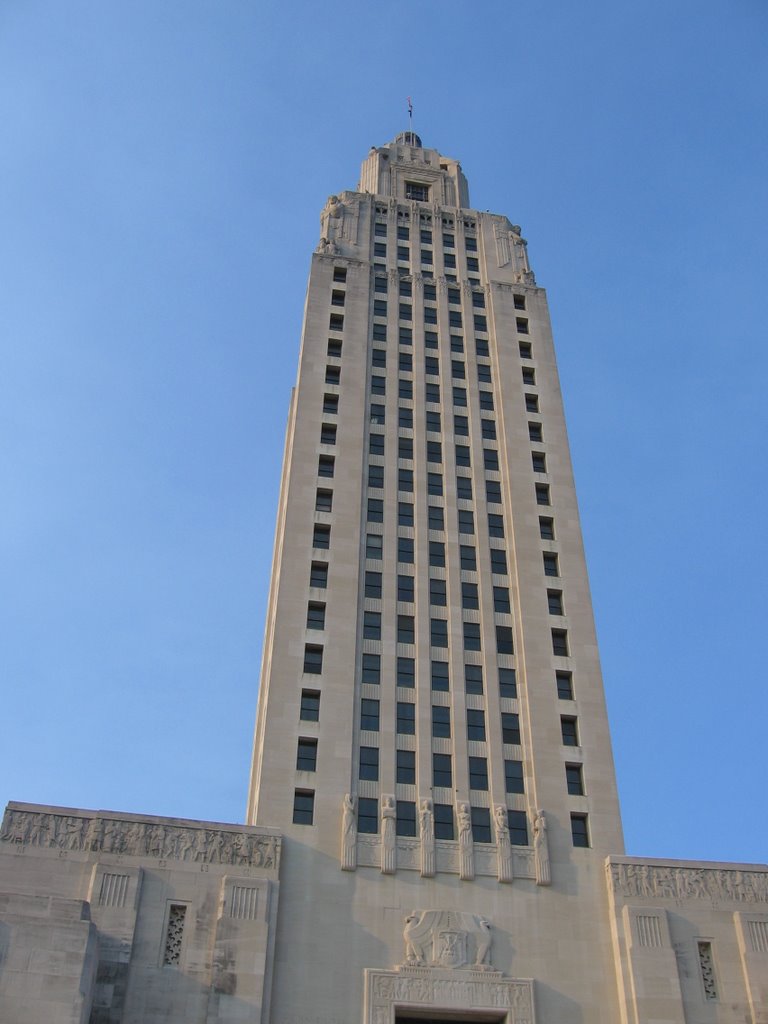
(434, 830)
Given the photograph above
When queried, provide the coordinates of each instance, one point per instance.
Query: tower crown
(404, 169)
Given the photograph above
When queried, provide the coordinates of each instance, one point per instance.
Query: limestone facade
(433, 795)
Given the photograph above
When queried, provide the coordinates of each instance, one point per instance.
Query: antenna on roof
(410, 114)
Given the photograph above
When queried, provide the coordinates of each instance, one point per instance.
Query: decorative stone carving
(447, 938)
(388, 835)
(98, 833)
(541, 850)
(427, 831)
(349, 833)
(651, 881)
(331, 224)
(505, 871)
(466, 846)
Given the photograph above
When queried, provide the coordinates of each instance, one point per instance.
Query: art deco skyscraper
(431, 730)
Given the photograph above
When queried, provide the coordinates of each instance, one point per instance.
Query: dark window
(430, 315)
(313, 659)
(380, 249)
(405, 822)
(380, 284)
(475, 725)
(579, 830)
(504, 642)
(546, 528)
(466, 521)
(432, 394)
(574, 779)
(471, 243)
(542, 494)
(405, 588)
(471, 636)
(376, 447)
(430, 339)
(430, 291)
(555, 602)
(488, 429)
(484, 374)
(404, 513)
(495, 525)
(336, 322)
(454, 296)
(379, 332)
(405, 311)
(434, 451)
(303, 806)
(433, 421)
(457, 369)
(442, 773)
(373, 546)
(367, 815)
(461, 426)
(535, 432)
(463, 486)
(486, 401)
(406, 718)
(481, 347)
(405, 417)
(332, 375)
(371, 668)
(438, 632)
(491, 459)
(369, 764)
(369, 714)
(380, 230)
(463, 457)
(560, 642)
(513, 777)
(372, 625)
(406, 672)
(532, 403)
(405, 387)
(525, 350)
(437, 594)
(440, 675)
(449, 259)
(435, 519)
(328, 433)
(340, 274)
(498, 561)
(405, 335)
(426, 257)
(405, 480)
(522, 325)
(405, 771)
(501, 600)
(378, 413)
(434, 484)
(441, 721)
(569, 730)
(405, 550)
(331, 404)
(468, 557)
(405, 629)
(449, 240)
(469, 598)
(519, 301)
(310, 706)
(306, 755)
(529, 376)
(510, 727)
(478, 301)
(481, 324)
(378, 385)
(323, 500)
(457, 343)
(326, 465)
(315, 615)
(375, 510)
(473, 678)
(460, 397)
(403, 253)
(551, 567)
(518, 828)
(404, 233)
(405, 448)
(425, 237)
(444, 821)
(539, 462)
(481, 824)
(507, 682)
(380, 307)
(321, 536)
(431, 365)
(564, 682)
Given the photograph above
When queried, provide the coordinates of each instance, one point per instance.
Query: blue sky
(162, 171)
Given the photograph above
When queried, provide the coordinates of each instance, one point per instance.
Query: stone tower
(432, 733)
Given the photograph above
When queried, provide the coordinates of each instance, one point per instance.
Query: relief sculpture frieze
(652, 881)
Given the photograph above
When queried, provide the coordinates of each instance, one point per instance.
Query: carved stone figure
(466, 847)
(427, 830)
(349, 833)
(331, 225)
(413, 935)
(388, 835)
(484, 939)
(541, 850)
(505, 871)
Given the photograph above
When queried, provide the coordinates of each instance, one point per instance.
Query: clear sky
(162, 171)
